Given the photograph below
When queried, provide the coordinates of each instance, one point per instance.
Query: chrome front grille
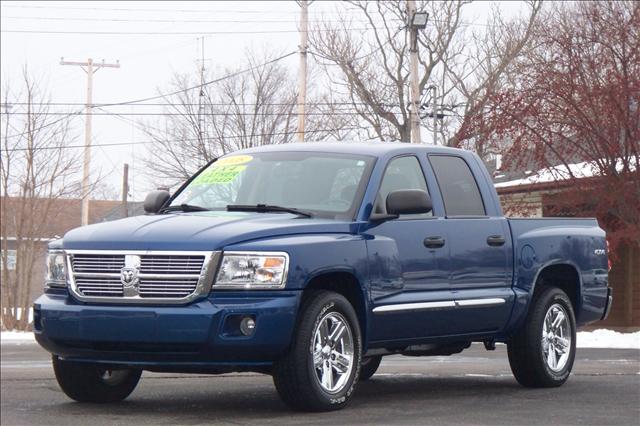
(143, 277)
(165, 287)
(92, 263)
(171, 264)
(99, 286)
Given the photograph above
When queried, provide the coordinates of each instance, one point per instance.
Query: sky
(151, 41)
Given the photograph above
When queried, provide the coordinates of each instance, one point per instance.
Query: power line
(44, 126)
(195, 21)
(148, 10)
(151, 98)
(138, 101)
(144, 129)
(165, 33)
(211, 114)
(292, 132)
(225, 21)
(341, 13)
(179, 114)
(251, 104)
(134, 123)
(135, 101)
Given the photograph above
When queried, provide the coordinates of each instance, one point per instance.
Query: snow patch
(17, 336)
(603, 338)
(559, 173)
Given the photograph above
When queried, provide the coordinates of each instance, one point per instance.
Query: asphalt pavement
(475, 387)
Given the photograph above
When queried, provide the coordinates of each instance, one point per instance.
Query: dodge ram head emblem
(129, 275)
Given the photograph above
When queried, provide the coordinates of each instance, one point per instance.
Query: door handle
(495, 240)
(434, 242)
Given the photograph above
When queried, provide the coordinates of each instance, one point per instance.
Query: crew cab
(310, 262)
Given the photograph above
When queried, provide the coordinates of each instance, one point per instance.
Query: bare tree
(329, 120)
(373, 73)
(249, 109)
(481, 67)
(36, 168)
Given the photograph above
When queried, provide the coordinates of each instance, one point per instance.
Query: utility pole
(201, 98)
(413, 64)
(417, 21)
(125, 190)
(302, 71)
(90, 68)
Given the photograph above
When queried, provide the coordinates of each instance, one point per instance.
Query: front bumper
(169, 338)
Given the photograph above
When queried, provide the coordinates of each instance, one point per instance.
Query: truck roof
(376, 149)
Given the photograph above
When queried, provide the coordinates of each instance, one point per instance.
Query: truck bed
(573, 247)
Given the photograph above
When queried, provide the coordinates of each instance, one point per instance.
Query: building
(29, 225)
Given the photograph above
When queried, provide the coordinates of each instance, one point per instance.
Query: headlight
(56, 269)
(253, 270)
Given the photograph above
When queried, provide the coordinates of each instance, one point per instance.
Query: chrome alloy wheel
(556, 338)
(332, 352)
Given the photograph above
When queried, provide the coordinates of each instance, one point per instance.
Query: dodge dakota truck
(310, 262)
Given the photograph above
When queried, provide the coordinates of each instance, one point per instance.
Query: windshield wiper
(265, 208)
(184, 208)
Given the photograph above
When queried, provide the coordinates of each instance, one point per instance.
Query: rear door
(479, 248)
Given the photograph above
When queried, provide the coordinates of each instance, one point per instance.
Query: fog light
(247, 326)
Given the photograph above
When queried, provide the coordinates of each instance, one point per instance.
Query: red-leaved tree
(574, 99)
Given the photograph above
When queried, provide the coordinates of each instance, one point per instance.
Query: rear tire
(542, 352)
(92, 383)
(319, 372)
(369, 366)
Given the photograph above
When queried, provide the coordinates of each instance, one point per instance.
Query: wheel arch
(345, 283)
(564, 275)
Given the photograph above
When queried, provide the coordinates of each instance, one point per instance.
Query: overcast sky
(152, 41)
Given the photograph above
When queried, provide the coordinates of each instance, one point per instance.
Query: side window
(401, 173)
(459, 188)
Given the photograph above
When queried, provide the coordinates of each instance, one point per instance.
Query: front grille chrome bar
(154, 277)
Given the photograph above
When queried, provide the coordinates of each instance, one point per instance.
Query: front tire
(320, 370)
(92, 383)
(542, 353)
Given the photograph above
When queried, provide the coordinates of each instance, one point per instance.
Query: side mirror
(408, 201)
(155, 200)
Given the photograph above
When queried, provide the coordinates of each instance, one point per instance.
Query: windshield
(327, 185)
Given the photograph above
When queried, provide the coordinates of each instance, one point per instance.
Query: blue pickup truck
(310, 262)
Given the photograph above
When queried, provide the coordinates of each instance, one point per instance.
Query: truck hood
(195, 231)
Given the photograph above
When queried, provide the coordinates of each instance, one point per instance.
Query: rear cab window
(458, 186)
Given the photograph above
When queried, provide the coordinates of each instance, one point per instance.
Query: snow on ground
(603, 338)
(17, 336)
(586, 339)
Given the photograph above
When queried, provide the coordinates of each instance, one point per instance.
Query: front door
(411, 301)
